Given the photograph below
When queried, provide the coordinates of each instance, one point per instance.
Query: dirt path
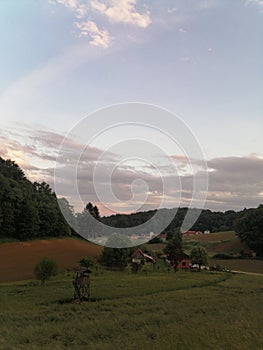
(17, 260)
(248, 273)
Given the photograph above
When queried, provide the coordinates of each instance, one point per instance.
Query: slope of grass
(221, 242)
(145, 311)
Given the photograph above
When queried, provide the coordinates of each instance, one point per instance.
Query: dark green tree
(67, 211)
(27, 221)
(88, 221)
(115, 257)
(174, 251)
(249, 227)
(52, 222)
(118, 256)
(199, 256)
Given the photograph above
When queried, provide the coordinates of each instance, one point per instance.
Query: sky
(62, 62)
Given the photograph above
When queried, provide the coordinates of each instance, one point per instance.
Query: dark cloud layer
(234, 182)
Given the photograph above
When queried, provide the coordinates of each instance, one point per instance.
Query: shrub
(87, 262)
(45, 268)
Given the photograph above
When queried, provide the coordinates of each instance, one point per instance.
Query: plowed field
(17, 260)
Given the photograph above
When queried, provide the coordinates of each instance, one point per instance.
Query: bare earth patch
(17, 260)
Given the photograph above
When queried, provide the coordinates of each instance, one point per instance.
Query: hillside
(221, 242)
(17, 259)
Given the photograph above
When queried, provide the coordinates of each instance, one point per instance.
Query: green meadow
(151, 310)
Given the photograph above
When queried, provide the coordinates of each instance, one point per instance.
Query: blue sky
(200, 59)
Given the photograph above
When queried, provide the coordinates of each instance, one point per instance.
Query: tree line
(27, 210)
(31, 210)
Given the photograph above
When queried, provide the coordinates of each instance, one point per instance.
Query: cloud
(172, 10)
(185, 59)
(181, 30)
(98, 37)
(80, 9)
(234, 182)
(116, 11)
(87, 28)
(122, 11)
(259, 3)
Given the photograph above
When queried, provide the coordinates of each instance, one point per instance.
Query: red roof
(189, 233)
(140, 252)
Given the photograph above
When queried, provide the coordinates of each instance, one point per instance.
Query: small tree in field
(87, 261)
(199, 256)
(45, 268)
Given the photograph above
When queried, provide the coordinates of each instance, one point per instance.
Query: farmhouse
(139, 256)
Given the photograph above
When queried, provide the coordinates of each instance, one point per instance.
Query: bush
(45, 268)
(87, 262)
(116, 258)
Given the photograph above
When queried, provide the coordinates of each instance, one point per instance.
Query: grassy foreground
(146, 311)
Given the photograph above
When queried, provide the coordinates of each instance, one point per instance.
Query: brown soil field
(17, 260)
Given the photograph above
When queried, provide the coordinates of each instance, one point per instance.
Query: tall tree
(174, 250)
(249, 227)
(88, 221)
(199, 256)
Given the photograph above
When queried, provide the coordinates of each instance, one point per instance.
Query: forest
(27, 210)
(31, 210)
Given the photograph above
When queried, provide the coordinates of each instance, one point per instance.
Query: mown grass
(143, 311)
(220, 242)
(246, 265)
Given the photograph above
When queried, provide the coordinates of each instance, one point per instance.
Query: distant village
(151, 235)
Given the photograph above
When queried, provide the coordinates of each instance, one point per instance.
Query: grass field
(146, 311)
(253, 266)
(221, 242)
